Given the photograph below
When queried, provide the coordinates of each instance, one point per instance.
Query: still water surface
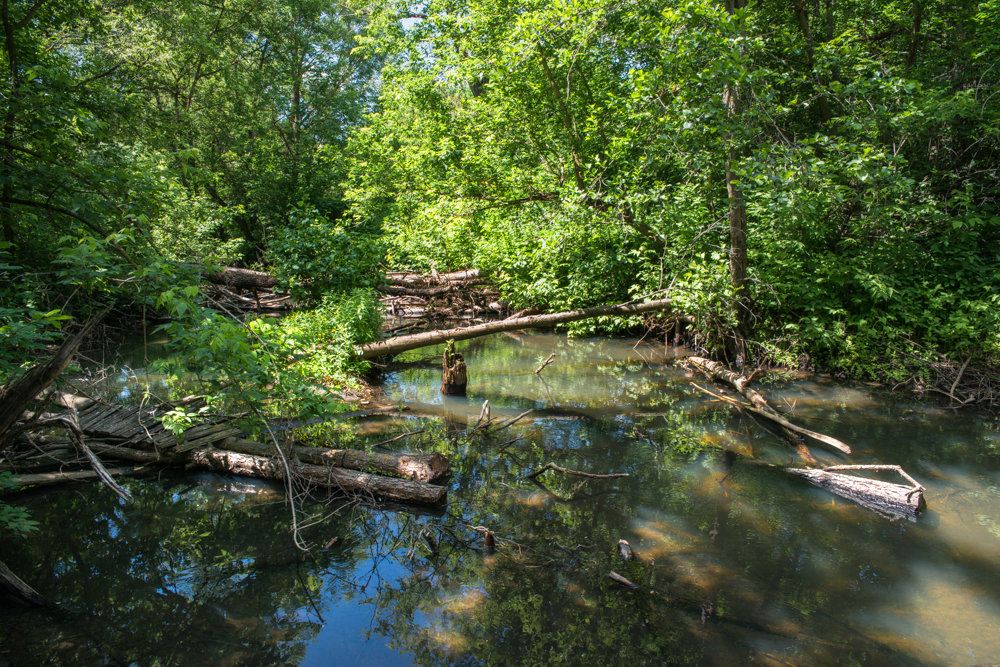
(738, 561)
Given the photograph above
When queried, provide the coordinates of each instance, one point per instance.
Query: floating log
(887, 498)
(422, 467)
(760, 405)
(412, 341)
(454, 377)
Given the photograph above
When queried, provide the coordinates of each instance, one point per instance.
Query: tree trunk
(412, 341)
(737, 212)
(893, 500)
(15, 399)
(453, 374)
(403, 490)
(270, 467)
(233, 277)
(422, 467)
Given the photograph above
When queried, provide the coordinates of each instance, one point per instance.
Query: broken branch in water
(545, 363)
(760, 406)
(574, 473)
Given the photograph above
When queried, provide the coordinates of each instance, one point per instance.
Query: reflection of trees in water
(737, 560)
(186, 576)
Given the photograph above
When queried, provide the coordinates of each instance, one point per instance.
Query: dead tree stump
(453, 376)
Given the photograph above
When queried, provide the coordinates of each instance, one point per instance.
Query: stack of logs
(459, 295)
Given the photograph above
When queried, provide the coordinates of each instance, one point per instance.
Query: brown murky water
(738, 562)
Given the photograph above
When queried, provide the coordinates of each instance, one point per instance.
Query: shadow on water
(738, 562)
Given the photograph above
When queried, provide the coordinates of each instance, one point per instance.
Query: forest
(810, 185)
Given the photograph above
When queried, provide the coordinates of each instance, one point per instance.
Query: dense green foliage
(581, 153)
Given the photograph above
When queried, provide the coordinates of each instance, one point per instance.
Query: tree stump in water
(453, 376)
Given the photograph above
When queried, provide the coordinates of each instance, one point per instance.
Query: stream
(737, 562)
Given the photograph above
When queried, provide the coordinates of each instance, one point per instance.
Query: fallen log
(412, 341)
(230, 276)
(887, 498)
(16, 398)
(422, 467)
(408, 278)
(352, 481)
(56, 478)
(268, 467)
(760, 406)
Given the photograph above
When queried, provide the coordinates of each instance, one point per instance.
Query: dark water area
(738, 562)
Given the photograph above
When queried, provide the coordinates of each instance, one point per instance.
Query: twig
(398, 437)
(545, 363)
(575, 473)
(514, 420)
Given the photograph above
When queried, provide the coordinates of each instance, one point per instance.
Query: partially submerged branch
(759, 404)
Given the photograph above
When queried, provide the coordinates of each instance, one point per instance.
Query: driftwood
(614, 576)
(888, 498)
(56, 478)
(760, 405)
(412, 341)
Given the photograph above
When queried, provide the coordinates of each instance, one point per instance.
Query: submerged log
(888, 498)
(454, 378)
(412, 341)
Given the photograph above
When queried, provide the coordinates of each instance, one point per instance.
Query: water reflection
(738, 561)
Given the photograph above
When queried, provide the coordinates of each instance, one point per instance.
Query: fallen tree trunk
(405, 278)
(413, 341)
(230, 276)
(355, 481)
(16, 398)
(266, 466)
(422, 467)
(55, 478)
(888, 498)
(760, 405)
